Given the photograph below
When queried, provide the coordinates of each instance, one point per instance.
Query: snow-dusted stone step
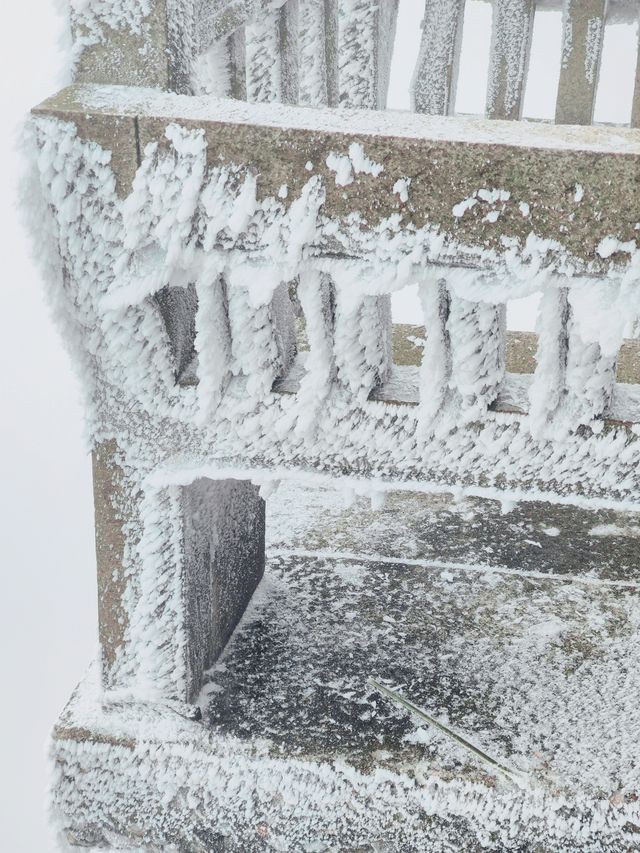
(296, 751)
(526, 537)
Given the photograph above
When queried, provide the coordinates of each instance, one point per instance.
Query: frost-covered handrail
(555, 173)
(190, 235)
(336, 52)
(267, 195)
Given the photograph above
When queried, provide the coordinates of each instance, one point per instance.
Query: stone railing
(223, 273)
(188, 244)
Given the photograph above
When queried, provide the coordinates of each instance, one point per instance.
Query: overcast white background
(47, 563)
(47, 592)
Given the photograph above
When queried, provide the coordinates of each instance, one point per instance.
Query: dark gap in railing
(285, 327)
(300, 322)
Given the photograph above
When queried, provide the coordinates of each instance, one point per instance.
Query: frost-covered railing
(179, 238)
(337, 52)
(348, 208)
(192, 236)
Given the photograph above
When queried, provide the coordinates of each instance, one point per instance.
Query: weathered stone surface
(112, 507)
(538, 165)
(297, 750)
(127, 57)
(223, 531)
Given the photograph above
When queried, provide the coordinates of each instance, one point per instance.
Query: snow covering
(264, 59)
(355, 163)
(539, 671)
(595, 31)
(185, 223)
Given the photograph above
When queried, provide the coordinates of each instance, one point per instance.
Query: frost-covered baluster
(362, 339)
(510, 47)
(590, 379)
(212, 342)
(548, 388)
(315, 292)
(221, 70)
(477, 331)
(583, 33)
(272, 55)
(366, 35)
(153, 660)
(318, 28)
(253, 323)
(574, 380)
(433, 87)
(435, 371)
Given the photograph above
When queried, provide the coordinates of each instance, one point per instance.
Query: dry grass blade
(515, 776)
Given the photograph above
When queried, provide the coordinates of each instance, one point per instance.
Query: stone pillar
(176, 570)
(156, 50)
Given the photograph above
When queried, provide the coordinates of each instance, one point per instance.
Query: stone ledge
(297, 753)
